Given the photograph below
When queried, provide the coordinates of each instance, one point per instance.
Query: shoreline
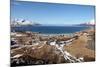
(57, 34)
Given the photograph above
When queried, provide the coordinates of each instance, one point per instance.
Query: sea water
(50, 29)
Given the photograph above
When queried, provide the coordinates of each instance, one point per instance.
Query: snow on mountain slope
(22, 22)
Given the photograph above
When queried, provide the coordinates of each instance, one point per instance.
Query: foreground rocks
(29, 48)
(35, 55)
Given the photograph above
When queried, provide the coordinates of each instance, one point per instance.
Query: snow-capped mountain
(22, 22)
(90, 23)
(87, 24)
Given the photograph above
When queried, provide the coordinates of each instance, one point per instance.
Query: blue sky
(52, 14)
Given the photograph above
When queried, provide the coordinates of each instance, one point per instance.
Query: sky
(52, 13)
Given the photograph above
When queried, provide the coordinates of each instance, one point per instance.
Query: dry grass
(78, 49)
(46, 53)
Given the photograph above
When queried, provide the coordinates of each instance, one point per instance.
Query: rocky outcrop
(36, 55)
(34, 49)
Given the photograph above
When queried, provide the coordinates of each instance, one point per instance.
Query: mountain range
(22, 22)
(86, 24)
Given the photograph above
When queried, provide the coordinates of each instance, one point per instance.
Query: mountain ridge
(23, 22)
